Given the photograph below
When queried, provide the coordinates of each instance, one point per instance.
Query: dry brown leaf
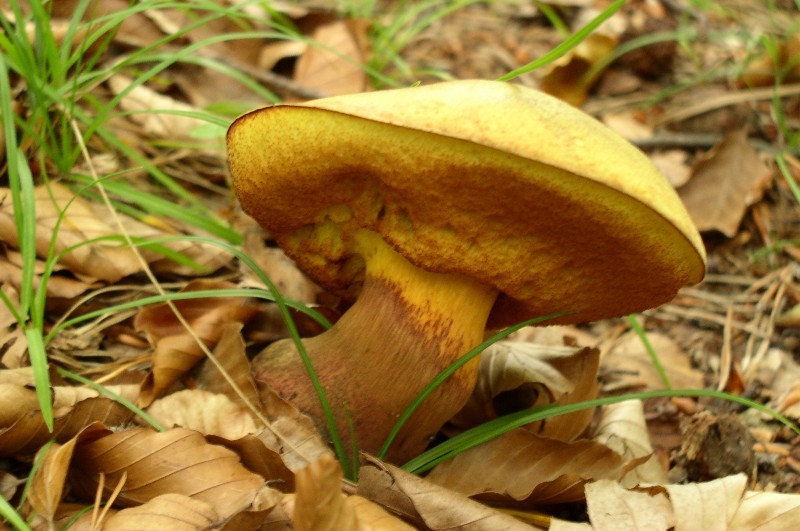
(291, 434)
(176, 350)
(627, 365)
(151, 464)
(769, 511)
(520, 466)
(261, 460)
(319, 502)
(169, 511)
(231, 355)
(331, 64)
(372, 516)
(673, 164)
(24, 430)
(722, 186)
(427, 505)
(152, 111)
(109, 261)
(517, 375)
(208, 413)
(612, 508)
(622, 427)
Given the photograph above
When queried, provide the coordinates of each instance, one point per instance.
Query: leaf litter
(220, 464)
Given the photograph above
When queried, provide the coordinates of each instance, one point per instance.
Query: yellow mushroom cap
(486, 179)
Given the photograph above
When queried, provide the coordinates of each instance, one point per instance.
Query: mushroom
(444, 210)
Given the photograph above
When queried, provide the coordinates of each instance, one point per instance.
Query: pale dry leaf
(566, 78)
(628, 366)
(171, 511)
(767, 511)
(262, 460)
(109, 261)
(152, 111)
(521, 467)
(725, 184)
(265, 504)
(319, 502)
(28, 432)
(673, 164)
(58, 285)
(613, 508)
(622, 427)
(176, 350)
(291, 434)
(231, 355)
(332, 63)
(47, 486)
(177, 461)
(707, 506)
(628, 124)
(9, 484)
(208, 413)
(372, 517)
(427, 505)
(780, 373)
(516, 375)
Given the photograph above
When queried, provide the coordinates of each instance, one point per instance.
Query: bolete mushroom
(442, 210)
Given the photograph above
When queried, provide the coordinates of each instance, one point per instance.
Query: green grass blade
(654, 359)
(568, 44)
(494, 428)
(452, 368)
(41, 375)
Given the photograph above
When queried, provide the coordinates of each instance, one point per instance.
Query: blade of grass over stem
(568, 44)
(41, 374)
(637, 327)
(142, 414)
(452, 368)
(496, 427)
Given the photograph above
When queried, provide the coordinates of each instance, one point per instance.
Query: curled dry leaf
(332, 65)
(611, 507)
(231, 355)
(628, 366)
(427, 505)
(517, 375)
(149, 464)
(319, 502)
(176, 350)
(48, 482)
(523, 468)
(169, 511)
(208, 413)
(153, 111)
(622, 427)
(719, 504)
(725, 184)
(23, 430)
(291, 434)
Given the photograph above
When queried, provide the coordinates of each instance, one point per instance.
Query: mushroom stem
(405, 328)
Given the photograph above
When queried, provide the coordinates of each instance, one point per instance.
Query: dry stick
(741, 96)
(154, 281)
(726, 354)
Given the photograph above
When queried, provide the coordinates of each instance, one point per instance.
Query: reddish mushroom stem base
(405, 328)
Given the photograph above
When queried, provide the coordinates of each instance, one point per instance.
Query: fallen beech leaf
(208, 413)
(612, 507)
(262, 460)
(372, 516)
(152, 111)
(722, 186)
(319, 502)
(332, 64)
(291, 434)
(47, 486)
(520, 466)
(622, 427)
(26, 434)
(710, 505)
(176, 351)
(427, 505)
(231, 355)
(517, 375)
(171, 511)
(767, 510)
(109, 261)
(176, 461)
(628, 366)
